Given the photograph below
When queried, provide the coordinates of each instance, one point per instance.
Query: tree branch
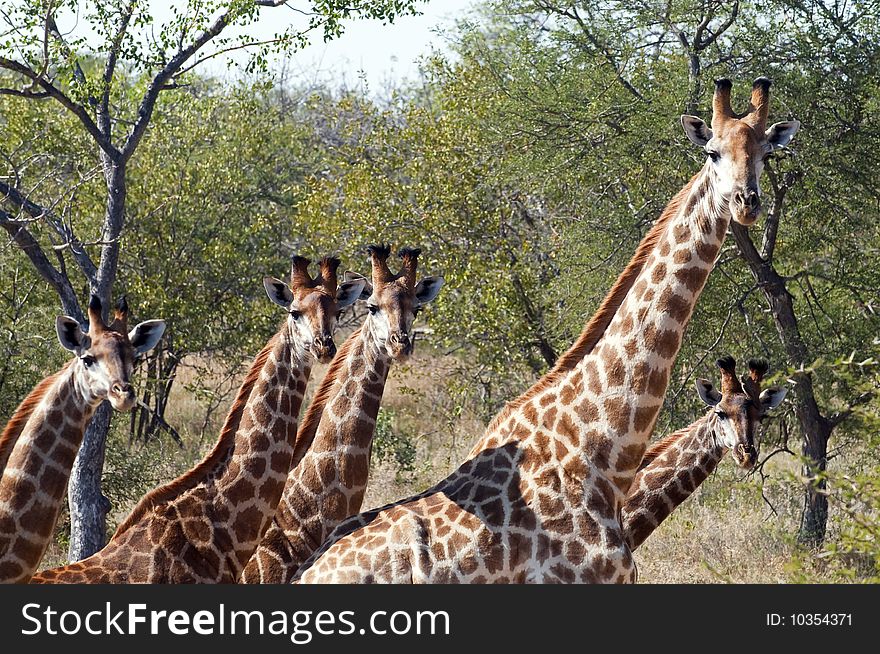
(77, 248)
(109, 68)
(20, 235)
(148, 103)
(54, 92)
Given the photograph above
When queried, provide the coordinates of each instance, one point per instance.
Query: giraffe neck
(328, 484)
(666, 480)
(604, 403)
(250, 481)
(37, 470)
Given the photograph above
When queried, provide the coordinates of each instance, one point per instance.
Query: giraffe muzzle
(746, 456)
(323, 348)
(400, 345)
(746, 206)
(122, 396)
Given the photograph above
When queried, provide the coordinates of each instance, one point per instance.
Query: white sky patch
(368, 55)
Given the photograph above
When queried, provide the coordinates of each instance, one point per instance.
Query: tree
(83, 75)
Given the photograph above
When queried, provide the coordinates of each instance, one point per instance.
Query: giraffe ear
(278, 292)
(780, 134)
(707, 392)
(771, 398)
(367, 290)
(146, 334)
(349, 292)
(427, 289)
(71, 336)
(696, 130)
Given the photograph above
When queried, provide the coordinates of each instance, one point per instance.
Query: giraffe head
(313, 303)
(739, 408)
(738, 146)
(394, 300)
(106, 353)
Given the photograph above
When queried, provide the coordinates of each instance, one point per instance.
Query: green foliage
(389, 444)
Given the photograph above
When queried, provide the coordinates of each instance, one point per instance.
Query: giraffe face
(393, 300)
(393, 307)
(738, 410)
(737, 147)
(313, 313)
(106, 353)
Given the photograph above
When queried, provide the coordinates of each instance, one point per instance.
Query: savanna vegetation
(527, 162)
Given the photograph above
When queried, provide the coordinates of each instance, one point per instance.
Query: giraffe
(329, 473)
(41, 440)
(203, 526)
(538, 500)
(676, 465)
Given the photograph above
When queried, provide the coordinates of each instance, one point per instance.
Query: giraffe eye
(721, 414)
(88, 360)
(373, 309)
(296, 315)
(713, 155)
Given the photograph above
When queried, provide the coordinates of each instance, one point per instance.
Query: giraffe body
(41, 440)
(204, 526)
(328, 480)
(539, 499)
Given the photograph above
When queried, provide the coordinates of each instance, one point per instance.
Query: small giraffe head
(738, 146)
(314, 303)
(394, 300)
(739, 408)
(106, 353)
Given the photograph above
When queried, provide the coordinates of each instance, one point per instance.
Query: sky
(368, 52)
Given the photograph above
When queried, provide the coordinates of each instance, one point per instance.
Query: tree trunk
(88, 506)
(815, 514)
(815, 428)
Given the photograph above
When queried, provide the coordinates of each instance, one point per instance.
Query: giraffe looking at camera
(203, 526)
(40, 442)
(330, 468)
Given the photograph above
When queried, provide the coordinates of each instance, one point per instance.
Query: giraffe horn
(409, 257)
(752, 382)
(729, 382)
(328, 277)
(299, 273)
(379, 255)
(96, 315)
(759, 104)
(120, 316)
(757, 369)
(721, 109)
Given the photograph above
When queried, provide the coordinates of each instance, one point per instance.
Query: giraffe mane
(23, 412)
(201, 470)
(308, 427)
(661, 446)
(597, 325)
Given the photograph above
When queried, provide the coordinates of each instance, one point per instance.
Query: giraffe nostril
(122, 389)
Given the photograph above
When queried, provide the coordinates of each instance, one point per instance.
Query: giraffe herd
(561, 487)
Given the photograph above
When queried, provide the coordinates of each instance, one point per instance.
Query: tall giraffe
(203, 526)
(675, 466)
(40, 441)
(539, 498)
(329, 473)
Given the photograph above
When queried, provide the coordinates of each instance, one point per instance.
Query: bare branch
(77, 248)
(20, 235)
(104, 121)
(53, 91)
